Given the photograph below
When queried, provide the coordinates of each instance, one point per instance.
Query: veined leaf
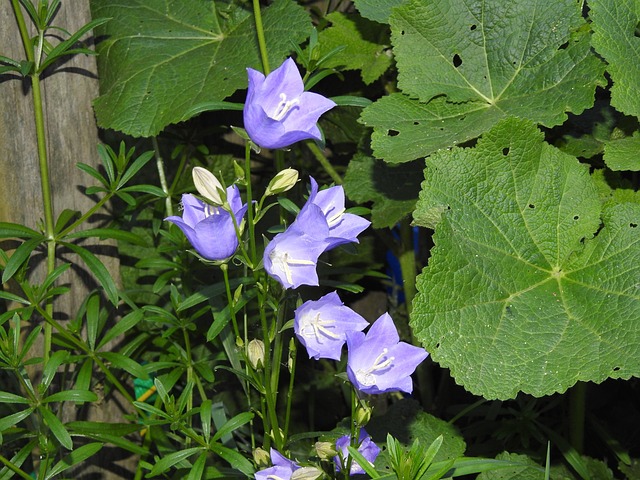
(165, 57)
(528, 269)
(462, 68)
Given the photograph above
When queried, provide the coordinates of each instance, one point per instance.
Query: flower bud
(363, 414)
(307, 473)
(325, 450)
(255, 353)
(283, 181)
(261, 457)
(208, 185)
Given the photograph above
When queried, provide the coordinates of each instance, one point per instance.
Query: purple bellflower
(343, 227)
(291, 257)
(278, 112)
(210, 229)
(366, 447)
(321, 326)
(282, 468)
(378, 362)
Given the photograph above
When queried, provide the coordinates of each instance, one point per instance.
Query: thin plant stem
(15, 469)
(86, 215)
(232, 311)
(577, 409)
(45, 181)
(250, 210)
(262, 44)
(163, 178)
(187, 347)
(324, 163)
(407, 259)
(293, 355)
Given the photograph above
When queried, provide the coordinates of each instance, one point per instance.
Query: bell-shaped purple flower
(366, 447)
(278, 112)
(343, 227)
(321, 326)
(282, 468)
(378, 362)
(210, 229)
(291, 257)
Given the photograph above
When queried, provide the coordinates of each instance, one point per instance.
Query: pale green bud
(326, 450)
(307, 473)
(255, 353)
(208, 185)
(261, 457)
(283, 181)
(363, 414)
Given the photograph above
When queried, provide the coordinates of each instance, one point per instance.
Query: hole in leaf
(531, 205)
(402, 32)
(616, 369)
(636, 33)
(457, 61)
(472, 27)
(633, 225)
(442, 129)
(416, 123)
(563, 46)
(576, 217)
(462, 117)
(394, 133)
(505, 151)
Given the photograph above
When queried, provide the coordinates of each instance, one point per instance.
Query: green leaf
(8, 397)
(125, 324)
(13, 419)
(51, 367)
(125, 363)
(15, 230)
(363, 462)
(233, 424)
(528, 470)
(234, 458)
(378, 10)
(364, 45)
(98, 269)
(71, 396)
(56, 427)
(80, 454)
(113, 233)
(21, 254)
(622, 154)
(462, 68)
(392, 189)
(195, 473)
(614, 37)
(135, 167)
(162, 58)
(528, 270)
(168, 461)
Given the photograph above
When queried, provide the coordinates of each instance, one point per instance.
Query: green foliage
(164, 58)
(378, 10)
(615, 37)
(462, 69)
(526, 269)
(362, 45)
(392, 189)
(529, 470)
(622, 154)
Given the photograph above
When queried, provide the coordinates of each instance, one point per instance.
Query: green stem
(232, 311)
(187, 348)
(262, 44)
(15, 469)
(407, 261)
(85, 216)
(324, 163)
(293, 354)
(250, 210)
(163, 179)
(22, 27)
(577, 411)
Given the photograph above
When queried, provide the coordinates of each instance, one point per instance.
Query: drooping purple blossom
(291, 257)
(378, 362)
(321, 326)
(278, 112)
(322, 224)
(343, 227)
(366, 447)
(282, 468)
(210, 229)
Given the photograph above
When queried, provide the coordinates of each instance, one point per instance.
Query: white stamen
(284, 262)
(284, 106)
(211, 210)
(367, 376)
(333, 219)
(314, 326)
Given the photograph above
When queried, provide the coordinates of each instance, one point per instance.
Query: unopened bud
(261, 457)
(326, 450)
(255, 353)
(208, 185)
(363, 414)
(282, 182)
(307, 473)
